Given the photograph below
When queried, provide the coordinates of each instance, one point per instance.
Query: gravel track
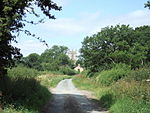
(68, 99)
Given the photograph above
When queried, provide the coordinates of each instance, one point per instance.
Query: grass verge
(121, 97)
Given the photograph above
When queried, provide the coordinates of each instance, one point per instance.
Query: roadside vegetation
(118, 71)
(25, 87)
(25, 90)
(117, 61)
(126, 95)
(21, 92)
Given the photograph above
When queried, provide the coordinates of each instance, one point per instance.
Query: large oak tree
(119, 44)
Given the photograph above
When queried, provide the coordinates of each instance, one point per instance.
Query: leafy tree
(119, 44)
(52, 59)
(147, 4)
(143, 33)
(33, 61)
(80, 61)
(13, 15)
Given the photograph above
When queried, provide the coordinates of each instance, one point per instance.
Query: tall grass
(133, 89)
(21, 92)
(128, 105)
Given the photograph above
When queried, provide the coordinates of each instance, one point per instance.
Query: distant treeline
(54, 59)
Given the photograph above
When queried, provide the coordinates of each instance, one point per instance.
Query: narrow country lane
(68, 99)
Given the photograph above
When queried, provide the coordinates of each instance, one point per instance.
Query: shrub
(107, 98)
(107, 77)
(84, 72)
(67, 71)
(21, 71)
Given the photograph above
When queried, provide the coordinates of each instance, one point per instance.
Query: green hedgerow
(21, 71)
(107, 77)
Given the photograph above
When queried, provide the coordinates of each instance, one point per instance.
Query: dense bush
(107, 77)
(21, 71)
(67, 71)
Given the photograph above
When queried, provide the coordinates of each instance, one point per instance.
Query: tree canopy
(119, 44)
(147, 4)
(52, 59)
(55, 57)
(13, 14)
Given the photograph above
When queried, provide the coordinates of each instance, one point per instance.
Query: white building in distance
(72, 55)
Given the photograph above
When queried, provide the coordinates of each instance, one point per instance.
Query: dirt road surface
(68, 99)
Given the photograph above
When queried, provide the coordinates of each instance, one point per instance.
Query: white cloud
(72, 26)
(138, 13)
(90, 23)
(30, 46)
(63, 26)
(134, 19)
(86, 23)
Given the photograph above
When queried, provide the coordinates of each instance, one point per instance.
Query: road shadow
(72, 103)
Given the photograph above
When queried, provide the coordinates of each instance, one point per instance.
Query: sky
(81, 18)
